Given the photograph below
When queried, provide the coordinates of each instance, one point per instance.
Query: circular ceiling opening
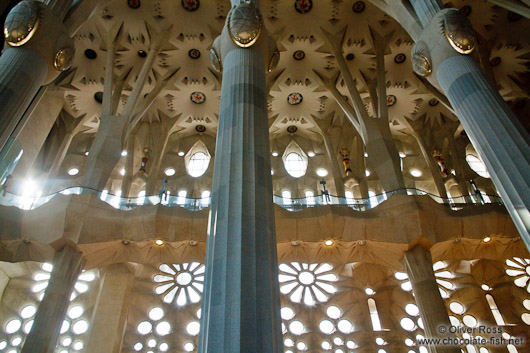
(98, 97)
(91, 54)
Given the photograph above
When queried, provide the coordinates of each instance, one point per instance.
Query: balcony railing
(128, 203)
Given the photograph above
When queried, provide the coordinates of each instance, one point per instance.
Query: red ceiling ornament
(191, 5)
(390, 100)
(133, 4)
(358, 6)
(294, 98)
(303, 6)
(400, 58)
(197, 97)
(299, 55)
(194, 53)
(433, 102)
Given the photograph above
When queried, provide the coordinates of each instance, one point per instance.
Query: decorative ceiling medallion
(275, 59)
(197, 97)
(299, 55)
(21, 23)
(215, 61)
(244, 24)
(400, 58)
(512, 16)
(465, 10)
(134, 4)
(190, 5)
(303, 6)
(459, 32)
(194, 53)
(390, 100)
(292, 129)
(294, 98)
(200, 128)
(358, 6)
(433, 102)
(495, 61)
(64, 58)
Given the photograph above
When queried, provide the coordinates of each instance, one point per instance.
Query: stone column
(110, 313)
(418, 265)
(441, 55)
(240, 305)
(37, 49)
(22, 72)
(334, 164)
(42, 338)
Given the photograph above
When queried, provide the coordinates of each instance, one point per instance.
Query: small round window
(295, 165)
(198, 164)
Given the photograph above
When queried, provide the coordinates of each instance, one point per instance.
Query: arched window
(286, 195)
(198, 164)
(374, 315)
(475, 162)
(181, 197)
(310, 197)
(141, 197)
(495, 310)
(349, 197)
(197, 159)
(205, 198)
(477, 165)
(295, 160)
(295, 165)
(373, 198)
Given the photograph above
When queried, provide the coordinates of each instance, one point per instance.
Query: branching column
(42, 338)
(496, 134)
(240, 305)
(110, 312)
(418, 264)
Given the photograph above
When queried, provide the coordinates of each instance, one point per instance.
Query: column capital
(34, 26)
(448, 34)
(244, 29)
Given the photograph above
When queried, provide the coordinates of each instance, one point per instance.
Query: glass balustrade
(28, 202)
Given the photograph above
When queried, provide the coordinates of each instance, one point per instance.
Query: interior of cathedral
(393, 212)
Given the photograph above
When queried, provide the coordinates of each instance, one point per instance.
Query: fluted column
(426, 9)
(496, 134)
(29, 60)
(418, 265)
(240, 305)
(22, 72)
(42, 338)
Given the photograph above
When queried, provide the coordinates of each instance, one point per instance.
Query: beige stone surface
(379, 235)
